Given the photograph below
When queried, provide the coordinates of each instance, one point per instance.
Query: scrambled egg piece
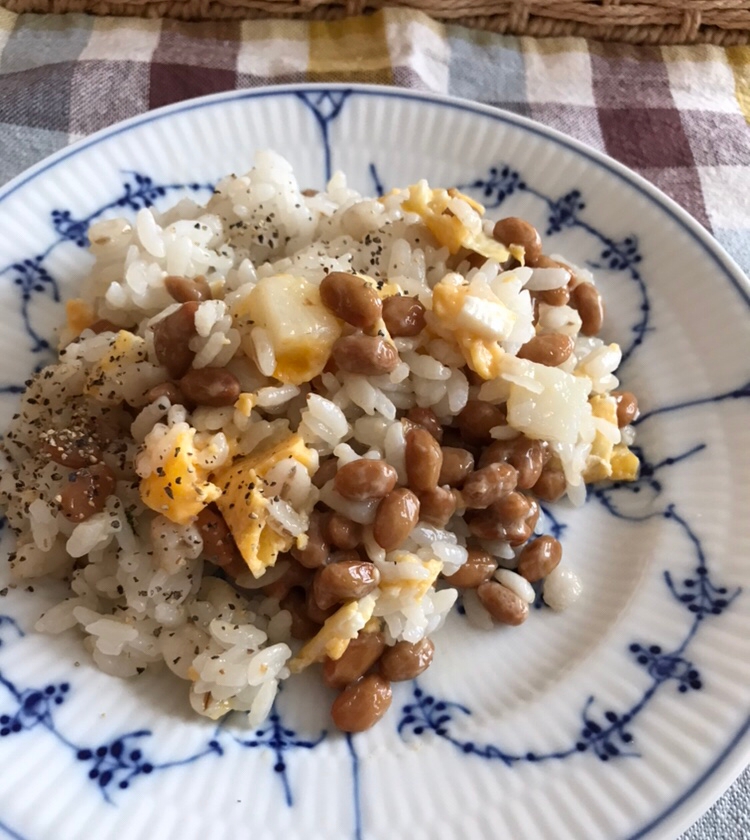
(483, 354)
(608, 459)
(178, 488)
(301, 329)
(79, 315)
(245, 403)
(245, 508)
(416, 587)
(447, 228)
(334, 636)
(598, 465)
(625, 464)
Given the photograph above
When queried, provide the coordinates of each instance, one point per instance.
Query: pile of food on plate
(287, 428)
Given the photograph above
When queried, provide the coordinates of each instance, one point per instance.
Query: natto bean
(424, 460)
(539, 557)
(406, 660)
(503, 605)
(352, 299)
(515, 231)
(85, 492)
(362, 704)
(368, 355)
(479, 567)
(171, 338)
(396, 516)
(215, 387)
(360, 655)
(403, 315)
(365, 479)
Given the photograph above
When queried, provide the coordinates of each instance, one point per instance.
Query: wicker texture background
(635, 22)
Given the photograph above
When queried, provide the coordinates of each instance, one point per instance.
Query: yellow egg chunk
(415, 587)
(598, 466)
(300, 328)
(334, 636)
(450, 231)
(177, 488)
(482, 354)
(625, 464)
(79, 315)
(609, 460)
(245, 508)
(245, 403)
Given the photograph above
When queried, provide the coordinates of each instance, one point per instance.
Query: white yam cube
(557, 412)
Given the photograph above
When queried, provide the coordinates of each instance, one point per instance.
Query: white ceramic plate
(622, 718)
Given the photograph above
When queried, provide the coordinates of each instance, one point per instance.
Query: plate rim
(735, 756)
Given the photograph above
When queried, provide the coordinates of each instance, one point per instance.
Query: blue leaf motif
(563, 213)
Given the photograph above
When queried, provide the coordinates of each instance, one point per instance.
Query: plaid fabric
(678, 115)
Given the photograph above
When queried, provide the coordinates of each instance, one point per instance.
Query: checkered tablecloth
(680, 116)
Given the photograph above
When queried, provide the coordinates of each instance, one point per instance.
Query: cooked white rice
(142, 591)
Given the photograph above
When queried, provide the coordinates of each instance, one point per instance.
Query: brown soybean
(426, 418)
(424, 460)
(551, 484)
(457, 464)
(183, 289)
(360, 655)
(406, 660)
(502, 604)
(342, 532)
(303, 627)
(219, 546)
(489, 525)
(103, 325)
(296, 575)
(488, 484)
(86, 491)
(526, 455)
(352, 299)
(365, 479)
(539, 557)
(437, 506)
(551, 349)
(362, 704)
(553, 297)
(347, 580)
(213, 387)
(403, 315)
(170, 390)
(586, 299)
(479, 567)
(512, 508)
(171, 337)
(515, 231)
(477, 419)
(627, 407)
(71, 449)
(314, 611)
(369, 355)
(396, 516)
(325, 472)
(316, 553)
